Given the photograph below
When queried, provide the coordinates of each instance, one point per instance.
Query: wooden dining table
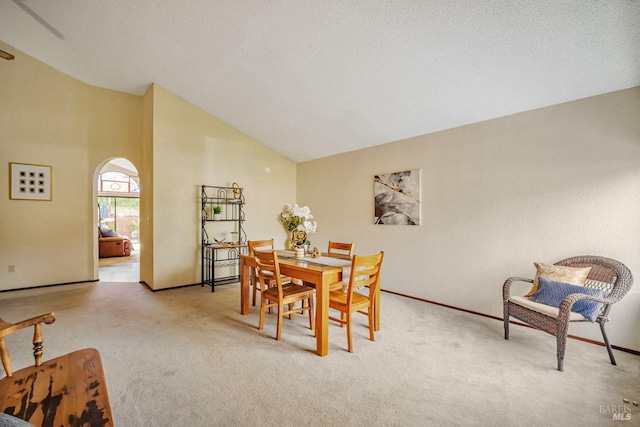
(321, 276)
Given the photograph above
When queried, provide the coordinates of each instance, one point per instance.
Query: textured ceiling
(312, 78)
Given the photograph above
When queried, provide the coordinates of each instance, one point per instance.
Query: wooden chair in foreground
(365, 271)
(336, 248)
(279, 295)
(7, 328)
(68, 390)
(607, 275)
(259, 285)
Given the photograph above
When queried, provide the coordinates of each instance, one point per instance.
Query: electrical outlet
(12, 268)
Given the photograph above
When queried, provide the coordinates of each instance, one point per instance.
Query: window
(117, 182)
(119, 204)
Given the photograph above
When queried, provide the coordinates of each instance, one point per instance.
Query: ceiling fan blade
(39, 19)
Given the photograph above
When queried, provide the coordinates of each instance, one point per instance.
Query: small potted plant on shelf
(217, 210)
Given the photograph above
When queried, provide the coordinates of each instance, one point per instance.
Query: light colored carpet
(186, 357)
(104, 262)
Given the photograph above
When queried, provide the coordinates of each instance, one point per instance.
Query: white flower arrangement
(297, 218)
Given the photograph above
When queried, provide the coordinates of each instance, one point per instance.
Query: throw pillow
(552, 293)
(107, 232)
(571, 275)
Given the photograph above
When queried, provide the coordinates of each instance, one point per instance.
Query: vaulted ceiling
(313, 78)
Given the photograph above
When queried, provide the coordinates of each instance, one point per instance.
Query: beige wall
(192, 148)
(114, 130)
(49, 118)
(497, 196)
(146, 192)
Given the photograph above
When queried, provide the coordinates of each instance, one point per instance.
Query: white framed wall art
(30, 182)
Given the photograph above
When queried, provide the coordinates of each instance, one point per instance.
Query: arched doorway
(118, 203)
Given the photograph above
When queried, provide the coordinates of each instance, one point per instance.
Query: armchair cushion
(558, 273)
(547, 310)
(552, 293)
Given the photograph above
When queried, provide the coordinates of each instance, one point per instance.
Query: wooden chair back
(268, 268)
(337, 248)
(266, 244)
(258, 245)
(7, 328)
(365, 272)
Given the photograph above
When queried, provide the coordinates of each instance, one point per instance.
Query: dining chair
(365, 271)
(337, 248)
(258, 285)
(280, 295)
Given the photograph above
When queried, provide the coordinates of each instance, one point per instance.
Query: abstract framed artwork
(397, 198)
(30, 182)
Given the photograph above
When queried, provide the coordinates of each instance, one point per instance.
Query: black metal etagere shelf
(221, 252)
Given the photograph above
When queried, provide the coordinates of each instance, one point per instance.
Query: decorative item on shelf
(315, 252)
(295, 218)
(237, 191)
(307, 247)
(217, 210)
(219, 241)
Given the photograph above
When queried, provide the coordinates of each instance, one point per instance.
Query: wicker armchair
(609, 275)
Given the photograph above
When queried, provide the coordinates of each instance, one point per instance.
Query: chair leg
(506, 320)
(560, 352)
(253, 282)
(312, 316)
(561, 339)
(606, 343)
(370, 315)
(262, 310)
(349, 340)
(280, 316)
(303, 304)
(374, 314)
